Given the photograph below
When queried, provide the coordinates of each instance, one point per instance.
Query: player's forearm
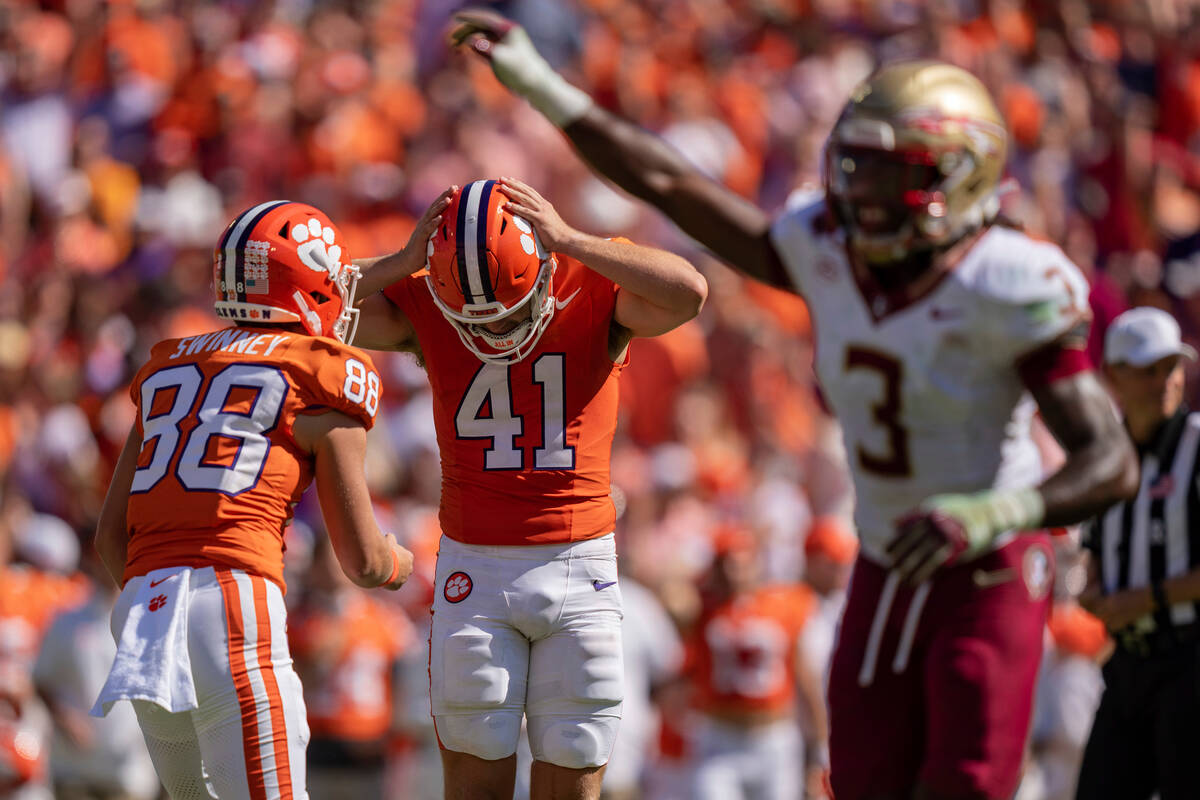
(112, 549)
(373, 278)
(632, 157)
(647, 167)
(1101, 468)
(380, 272)
(112, 529)
(659, 277)
(1093, 478)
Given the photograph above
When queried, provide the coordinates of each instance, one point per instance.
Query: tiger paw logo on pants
(458, 586)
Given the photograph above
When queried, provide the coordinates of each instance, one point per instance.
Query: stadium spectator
(348, 648)
(90, 759)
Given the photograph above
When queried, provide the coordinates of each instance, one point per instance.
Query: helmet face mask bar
(514, 344)
(485, 266)
(281, 262)
(914, 162)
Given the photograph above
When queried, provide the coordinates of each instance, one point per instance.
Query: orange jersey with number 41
(525, 447)
(219, 469)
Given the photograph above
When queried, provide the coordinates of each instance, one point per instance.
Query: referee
(1144, 579)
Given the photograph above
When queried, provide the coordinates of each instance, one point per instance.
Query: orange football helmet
(284, 262)
(486, 265)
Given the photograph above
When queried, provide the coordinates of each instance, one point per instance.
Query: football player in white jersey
(940, 332)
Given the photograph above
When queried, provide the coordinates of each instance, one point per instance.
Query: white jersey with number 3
(928, 394)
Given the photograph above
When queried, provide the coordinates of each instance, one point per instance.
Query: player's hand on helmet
(555, 235)
(412, 257)
(402, 560)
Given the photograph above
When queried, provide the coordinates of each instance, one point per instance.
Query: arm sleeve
(341, 378)
(794, 234)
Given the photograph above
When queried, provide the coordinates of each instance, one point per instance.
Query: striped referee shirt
(1156, 535)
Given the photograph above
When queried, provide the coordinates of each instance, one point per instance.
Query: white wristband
(521, 68)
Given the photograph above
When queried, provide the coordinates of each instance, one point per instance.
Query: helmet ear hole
(320, 298)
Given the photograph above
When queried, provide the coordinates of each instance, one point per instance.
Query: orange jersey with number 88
(219, 469)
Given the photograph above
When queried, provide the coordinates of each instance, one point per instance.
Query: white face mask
(511, 346)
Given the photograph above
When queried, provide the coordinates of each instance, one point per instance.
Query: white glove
(518, 65)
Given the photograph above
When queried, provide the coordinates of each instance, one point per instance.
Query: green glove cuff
(1016, 509)
(986, 515)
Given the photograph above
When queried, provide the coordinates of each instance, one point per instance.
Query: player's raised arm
(659, 290)
(338, 443)
(112, 531)
(630, 156)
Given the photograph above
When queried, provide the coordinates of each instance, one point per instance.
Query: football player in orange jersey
(751, 683)
(231, 428)
(524, 325)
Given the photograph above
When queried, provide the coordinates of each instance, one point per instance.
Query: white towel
(152, 661)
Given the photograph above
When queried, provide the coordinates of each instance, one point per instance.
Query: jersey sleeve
(794, 234)
(158, 355)
(1038, 304)
(334, 376)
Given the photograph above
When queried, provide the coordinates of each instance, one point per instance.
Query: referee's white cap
(1141, 336)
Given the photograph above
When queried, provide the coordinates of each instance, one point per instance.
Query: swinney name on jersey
(525, 447)
(219, 468)
(232, 340)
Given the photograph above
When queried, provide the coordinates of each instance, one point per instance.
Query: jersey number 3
(486, 412)
(895, 462)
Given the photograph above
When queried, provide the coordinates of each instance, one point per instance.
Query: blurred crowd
(132, 130)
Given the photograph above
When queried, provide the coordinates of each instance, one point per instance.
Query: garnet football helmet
(915, 160)
(486, 265)
(284, 262)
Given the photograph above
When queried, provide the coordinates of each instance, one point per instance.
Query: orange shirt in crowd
(741, 657)
(347, 654)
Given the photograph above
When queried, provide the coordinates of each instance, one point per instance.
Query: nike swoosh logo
(561, 304)
(160, 580)
(983, 579)
(598, 584)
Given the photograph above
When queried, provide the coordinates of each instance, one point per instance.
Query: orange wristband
(395, 568)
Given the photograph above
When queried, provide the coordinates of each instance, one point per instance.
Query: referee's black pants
(1146, 735)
